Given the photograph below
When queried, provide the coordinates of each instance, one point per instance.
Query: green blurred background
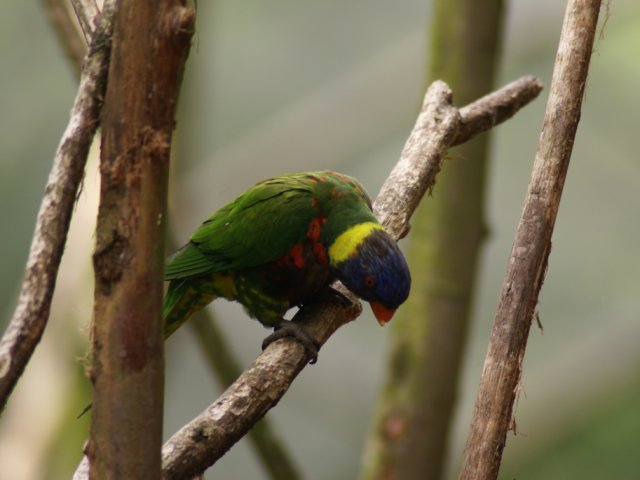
(282, 86)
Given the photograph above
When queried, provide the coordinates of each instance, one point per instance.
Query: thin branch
(88, 15)
(67, 30)
(475, 118)
(206, 438)
(32, 311)
(495, 108)
(528, 260)
(420, 160)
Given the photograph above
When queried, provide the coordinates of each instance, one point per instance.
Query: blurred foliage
(600, 444)
(274, 87)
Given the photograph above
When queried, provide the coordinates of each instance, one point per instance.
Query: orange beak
(382, 313)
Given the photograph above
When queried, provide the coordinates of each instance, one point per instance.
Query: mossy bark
(413, 414)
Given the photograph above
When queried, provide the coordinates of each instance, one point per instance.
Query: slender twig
(32, 311)
(67, 30)
(496, 107)
(528, 259)
(206, 438)
(88, 15)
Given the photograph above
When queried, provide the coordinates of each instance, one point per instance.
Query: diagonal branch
(32, 312)
(477, 117)
(206, 438)
(68, 31)
(269, 449)
(531, 246)
(88, 15)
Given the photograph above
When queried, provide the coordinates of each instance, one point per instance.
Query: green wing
(248, 232)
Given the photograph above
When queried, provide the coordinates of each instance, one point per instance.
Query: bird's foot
(287, 328)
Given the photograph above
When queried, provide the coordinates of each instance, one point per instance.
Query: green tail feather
(180, 302)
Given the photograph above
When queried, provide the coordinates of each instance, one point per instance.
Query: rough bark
(269, 448)
(88, 14)
(267, 445)
(492, 416)
(475, 118)
(32, 311)
(206, 438)
(151, 40)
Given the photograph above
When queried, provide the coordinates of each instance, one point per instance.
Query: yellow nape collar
(348, 241)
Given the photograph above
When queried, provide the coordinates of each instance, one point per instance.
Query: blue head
(370, 264)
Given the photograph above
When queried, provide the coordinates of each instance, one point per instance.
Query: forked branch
(440, 125)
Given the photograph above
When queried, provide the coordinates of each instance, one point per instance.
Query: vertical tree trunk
(413, 414)
(150, 43)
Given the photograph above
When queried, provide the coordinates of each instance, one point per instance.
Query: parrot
(278, 245)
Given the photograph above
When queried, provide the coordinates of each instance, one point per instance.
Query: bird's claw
(287, 328)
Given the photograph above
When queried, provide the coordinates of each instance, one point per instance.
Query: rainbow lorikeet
(281, 242)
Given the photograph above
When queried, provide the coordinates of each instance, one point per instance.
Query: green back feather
(268, 219)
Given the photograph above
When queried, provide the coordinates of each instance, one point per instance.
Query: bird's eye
(369, 281)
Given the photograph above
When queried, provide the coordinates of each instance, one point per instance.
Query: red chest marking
(293, 258)
(299, 254)
(314, 229)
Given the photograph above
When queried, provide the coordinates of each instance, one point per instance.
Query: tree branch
(269, 448)
(497, 107)
(67, 31)
(151, 40)
(88, 15)
(528, 260)
(214, 346)
(32, 311)
(206, 438)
